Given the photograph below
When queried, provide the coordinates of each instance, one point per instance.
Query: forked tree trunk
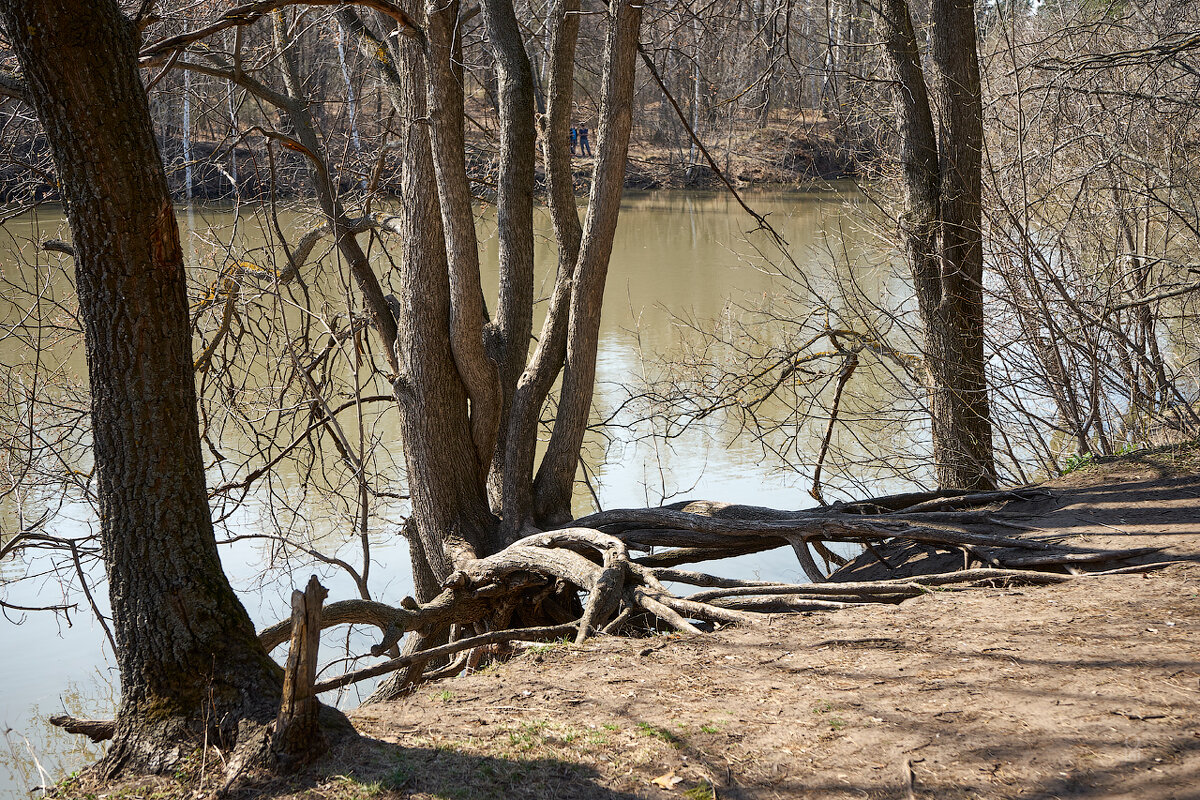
(187, 651)
(470, 397)
(941, 131)
(469, 410)
(451, 519)
(546, 363)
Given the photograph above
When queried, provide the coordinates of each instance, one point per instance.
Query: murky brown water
(677, 255)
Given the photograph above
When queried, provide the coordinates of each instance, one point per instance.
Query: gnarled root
(583, 579)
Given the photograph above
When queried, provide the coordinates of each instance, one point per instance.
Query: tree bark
(547, 360)
(468, 317)
(450, 511)
(942, 173)
(518, 146)
(187, 652)
(556, 476)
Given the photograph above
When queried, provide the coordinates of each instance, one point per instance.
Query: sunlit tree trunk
(941, 131)
(191, 666)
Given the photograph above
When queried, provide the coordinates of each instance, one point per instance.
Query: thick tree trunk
(450, 510)
(480, 375)
(451, 521)
(941, 226)
(186, 648)
(954, 335)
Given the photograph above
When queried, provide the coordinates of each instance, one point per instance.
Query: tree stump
(298, 738)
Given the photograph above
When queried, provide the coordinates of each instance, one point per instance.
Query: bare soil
(1085, 689)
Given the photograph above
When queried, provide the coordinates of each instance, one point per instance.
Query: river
(677, 256)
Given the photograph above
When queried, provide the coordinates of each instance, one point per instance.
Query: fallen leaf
(667, 781)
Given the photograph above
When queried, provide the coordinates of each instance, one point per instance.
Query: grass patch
(528, 735)
(346, 788)
(538, 649)
(834, 723)
(646, 729)
(1076, 461)
(397, 778)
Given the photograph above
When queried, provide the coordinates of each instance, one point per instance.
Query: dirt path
(1085, 689)
(1091, 689)
(1088, 689)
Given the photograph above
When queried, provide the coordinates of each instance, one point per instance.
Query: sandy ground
(1091, 689)
(1085, 689)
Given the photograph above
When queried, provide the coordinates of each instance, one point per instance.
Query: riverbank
(1089, 688)
(792, 150)
(787, 152)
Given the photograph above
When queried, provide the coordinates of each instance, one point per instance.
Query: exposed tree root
(591, 561)
(581, 580)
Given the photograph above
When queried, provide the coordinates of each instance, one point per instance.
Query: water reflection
(676, 255)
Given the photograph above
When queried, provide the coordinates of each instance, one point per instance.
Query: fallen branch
(98, 730)
(494, 637)
(1056, 559)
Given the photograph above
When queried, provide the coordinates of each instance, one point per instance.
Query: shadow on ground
(371, 768)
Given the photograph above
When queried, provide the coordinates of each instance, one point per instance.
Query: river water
(678, 256)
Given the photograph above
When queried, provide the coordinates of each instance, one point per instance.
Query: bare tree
(188, 654)
(1092, 219)
(941, 132)
(496, 553)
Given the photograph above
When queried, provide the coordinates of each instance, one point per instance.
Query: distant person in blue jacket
(574, 138)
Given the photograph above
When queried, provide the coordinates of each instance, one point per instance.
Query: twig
(780, 242)
(909, 779)
(88, 594)
(492, 637)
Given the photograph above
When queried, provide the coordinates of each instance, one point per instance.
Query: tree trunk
(556, 476)
(449, 502)
(187, 651)
(480, 374)
(470, 403)
(546, 363)
(942, 167)
(518, 144)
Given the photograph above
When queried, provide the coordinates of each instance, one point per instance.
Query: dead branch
(252, 12)
(98, 730)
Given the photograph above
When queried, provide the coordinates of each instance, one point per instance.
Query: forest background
(1087, 232)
